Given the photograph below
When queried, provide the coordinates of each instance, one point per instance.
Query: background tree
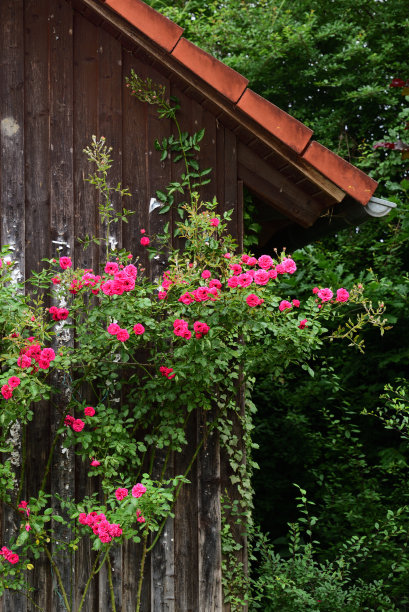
(340, 68)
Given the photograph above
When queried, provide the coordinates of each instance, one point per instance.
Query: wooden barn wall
(62, 80)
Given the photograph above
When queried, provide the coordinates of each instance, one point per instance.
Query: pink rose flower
(138, 490)
(162, 295)
(237, 269)
(303, 324)
(78, 425)
(296, 303)
(95, 463)
(342, 295)
(69, 420)
(227, 255)
(65, 262)
(265, 262)
(111, 267)
(186, 298)
(245, 279)
(145, 241)
(284, 305)
(233, 282)
(113, 329)
(325, 294)
(24, 361)
(215, 284)
(289, 265)
(206, 274)
(315, 290)
(120, 494)
(214, 222)
(251, 261)
(7, 392)
(55, 280)
(48, 354)
(89, 411)
(14, 381)
(122, 335)
(131, 270)
(253, 300)
(261, 277)
(201, 328)
(138, 329)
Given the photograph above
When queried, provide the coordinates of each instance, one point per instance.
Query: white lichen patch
(9, 127)
(15, 441)
(113, 242)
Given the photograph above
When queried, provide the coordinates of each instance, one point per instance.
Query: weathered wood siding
(62, 80)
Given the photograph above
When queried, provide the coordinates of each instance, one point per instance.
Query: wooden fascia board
(282, 192)
(225, 106)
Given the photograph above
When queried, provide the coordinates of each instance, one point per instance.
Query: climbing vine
(146, 356)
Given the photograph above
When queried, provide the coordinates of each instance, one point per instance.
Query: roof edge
(144, 18)
(349, 178)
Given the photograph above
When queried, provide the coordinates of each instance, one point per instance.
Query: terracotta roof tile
(279, 123)
(226, 80)
(160, 29)
(350, 179)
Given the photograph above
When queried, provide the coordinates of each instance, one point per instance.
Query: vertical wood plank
(135, 164)
(110, 89)
(85, 126)
(186, 527)
(230, 173)
(12, 224)
(158, 173)
(85, 118)
(134, 168)
(209, 524)
(162, 558)
(37, 211)
(62, 235)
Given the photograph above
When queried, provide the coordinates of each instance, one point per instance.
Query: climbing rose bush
(148, 353)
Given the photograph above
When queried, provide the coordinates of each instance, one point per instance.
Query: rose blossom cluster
(8, 555)
(115, 330)
(241, 278)
(75, 424)
(100, 526)
(180, 328)
(167, 372)
(120, 279)
(33, 355)
(59, 314)
(202, 294)
(266, 271)
(123, 279)
(325, 295)
(137, 491)
(12, 383)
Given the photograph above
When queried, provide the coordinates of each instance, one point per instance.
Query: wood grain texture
(62, 81)
(209, 520)
(12, 194)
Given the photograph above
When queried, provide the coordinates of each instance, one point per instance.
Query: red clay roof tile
(160, 29)
(279, 123)
(226, 80)
(350, 179)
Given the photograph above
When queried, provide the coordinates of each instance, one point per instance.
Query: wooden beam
(276, 189)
